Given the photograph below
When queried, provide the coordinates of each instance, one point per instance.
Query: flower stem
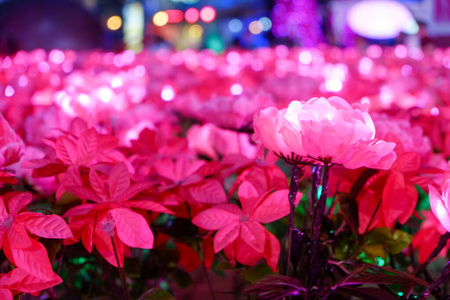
(315, 264)
(441, 244)
(121, 272)
(443, 278)
(293, 189)
(208, 280)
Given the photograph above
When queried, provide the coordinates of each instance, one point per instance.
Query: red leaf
(83, 192)
(132, 228)
(214, 219)
(49, 170)
(225, 236)
(189, 259)
(87, 146)
(395, 198)
(407, 162)
(66, 150)
(208, 251)
(7, 178)
(87, 235)
(20, 280)
(34, 260)
(232, 208)
(367, 208)
(210, 168)
(107, 142)
(254, 235)
(79, 210)
(5, 294)
(18, 237)
(135, 189)
(97, 184)
(104, 245)
(51, 226)
(272, 251)
(245, 254)
(17, 202)
(275, 206)
(412, 195)
(77, 126)
(37, 163)
(148, 205)
(119, 181)
(208, 191)
(249, 197)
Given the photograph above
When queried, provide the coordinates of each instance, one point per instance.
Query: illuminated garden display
(274, 173)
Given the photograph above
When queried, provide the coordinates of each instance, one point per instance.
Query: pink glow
(192, 15)
(207, 14)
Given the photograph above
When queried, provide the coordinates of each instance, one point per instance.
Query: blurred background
(115, 25)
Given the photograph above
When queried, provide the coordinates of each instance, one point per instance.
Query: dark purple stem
(316, 170)
(60, 259)
(317, 224)
(443, 278)
(441, 244)
(293, 189)
(121, 272)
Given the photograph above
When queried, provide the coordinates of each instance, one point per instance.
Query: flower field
(275, 173)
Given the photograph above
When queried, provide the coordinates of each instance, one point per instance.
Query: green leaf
(374, 251)
(156, 294)
(254, 273)
(400, 240)
(181, 278)
(393, 241)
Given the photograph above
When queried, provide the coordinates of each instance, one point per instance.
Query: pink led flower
(322, 130)
(11, 145)
(440, 204)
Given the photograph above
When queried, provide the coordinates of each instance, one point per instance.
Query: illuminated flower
(11, 145)
(440, 204)
(325, 130)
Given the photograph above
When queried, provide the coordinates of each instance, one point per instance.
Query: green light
(319, 192)
(380, 261)
(215, 42)
(400, 294)
(163, 284)
(78, 260)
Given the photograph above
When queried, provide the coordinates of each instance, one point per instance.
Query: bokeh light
(235, 25)
(305, 57)
(207, 14)
(236, 89)
(9, 91)
(192, 15)
(167, 93)
(175, 15)
(114, 23)
(161, 18)
(266, 23)
(195, 31)
(255, 27)
(57, 56)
